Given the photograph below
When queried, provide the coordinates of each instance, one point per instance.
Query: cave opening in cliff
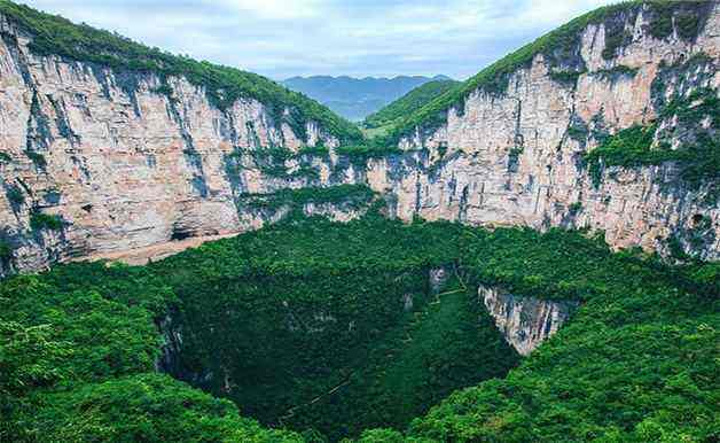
(179, 235)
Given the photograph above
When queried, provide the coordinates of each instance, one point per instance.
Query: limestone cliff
(525, 321)
(96, 160)
(512, 154)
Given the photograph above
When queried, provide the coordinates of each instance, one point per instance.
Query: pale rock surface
(525, 322)
(127, 167)
(475, 182)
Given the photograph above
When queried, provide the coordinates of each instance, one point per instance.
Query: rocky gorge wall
(514, 157)
(525, 322)
(125, 162)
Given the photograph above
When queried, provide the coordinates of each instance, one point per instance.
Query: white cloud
(282, 38)
(273, 9)
(554, 12)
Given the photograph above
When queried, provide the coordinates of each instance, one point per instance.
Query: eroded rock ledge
(525, 321)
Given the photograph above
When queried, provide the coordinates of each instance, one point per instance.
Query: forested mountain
(408, 103)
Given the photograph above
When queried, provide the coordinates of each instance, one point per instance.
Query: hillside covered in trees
(408, 103)
(269, 330)
(356, 98)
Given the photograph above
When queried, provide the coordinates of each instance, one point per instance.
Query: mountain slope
(355, 98)
(408, 103)
(53, 35)
(676, 19)
(608, 123)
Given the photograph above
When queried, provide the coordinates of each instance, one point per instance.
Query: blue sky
(284, 38)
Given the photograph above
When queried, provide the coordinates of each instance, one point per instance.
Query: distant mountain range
(356, 98)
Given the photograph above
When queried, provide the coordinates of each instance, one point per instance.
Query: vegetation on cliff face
(54, 35)
(40, 221)
(355, 197)
(331, 327)
(683, 134)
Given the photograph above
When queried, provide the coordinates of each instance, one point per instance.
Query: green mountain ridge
(686, 18)
(415, 99)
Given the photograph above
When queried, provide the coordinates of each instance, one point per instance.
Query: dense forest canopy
(408, 103)
(80, 343)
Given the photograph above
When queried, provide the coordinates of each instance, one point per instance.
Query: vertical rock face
(514, 157)
(127, 159)
(525, 321)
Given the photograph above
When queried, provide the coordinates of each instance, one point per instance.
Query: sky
(358, 38)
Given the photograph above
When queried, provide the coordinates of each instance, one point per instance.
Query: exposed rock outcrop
(525, 322)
